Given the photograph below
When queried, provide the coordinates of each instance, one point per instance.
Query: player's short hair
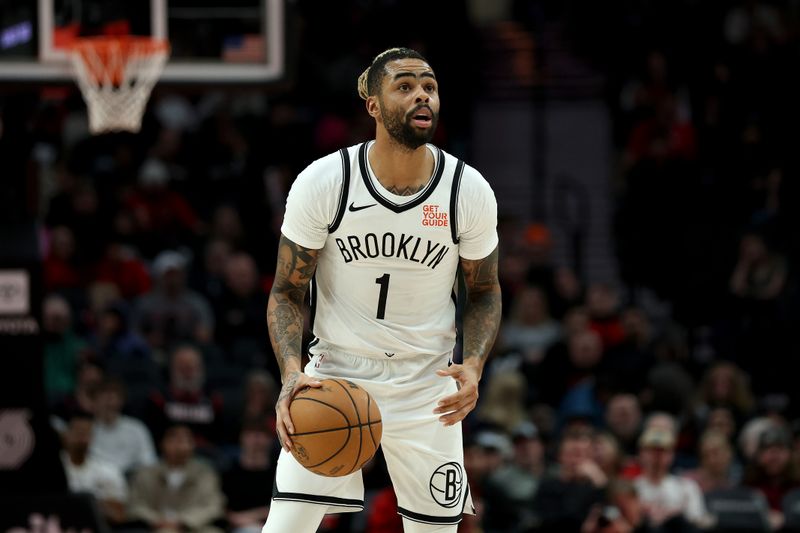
(370, 80)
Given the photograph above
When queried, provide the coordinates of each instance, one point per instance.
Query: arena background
(644, 157)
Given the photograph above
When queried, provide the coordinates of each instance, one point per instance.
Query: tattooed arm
(481, 323)
(296, 265)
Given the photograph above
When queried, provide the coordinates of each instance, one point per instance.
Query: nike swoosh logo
(387, 353)
(359, 208)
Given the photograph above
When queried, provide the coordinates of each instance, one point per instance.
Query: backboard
(213, 41)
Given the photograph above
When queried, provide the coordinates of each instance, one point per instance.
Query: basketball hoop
(116, 76)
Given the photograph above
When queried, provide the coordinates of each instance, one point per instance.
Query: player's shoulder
(471, 178)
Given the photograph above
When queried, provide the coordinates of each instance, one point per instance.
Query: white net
(116, 77)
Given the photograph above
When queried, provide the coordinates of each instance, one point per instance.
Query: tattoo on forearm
(288, 387)
(484, 305)
(296, 266)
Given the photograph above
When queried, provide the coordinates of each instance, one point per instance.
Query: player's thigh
(426, 463)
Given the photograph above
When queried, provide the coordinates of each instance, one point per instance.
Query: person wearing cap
(668, 499)
(509, 490)
(171, 312)
(772, 472)
(161, 216)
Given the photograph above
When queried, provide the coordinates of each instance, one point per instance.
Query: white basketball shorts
(425, 459)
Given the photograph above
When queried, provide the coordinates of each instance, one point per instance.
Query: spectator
(667, 499)
(61, 270)
(82, 397)
(241, 327)
(603, 303)
(503, 403)
(624, 420)
(760, 273)
(260, 397)
(171, 312)
(208, 278)
(530, 330)
(750, 436)
(509, 490)
(180, 493)
(114, 338)
(79, 209)
(245, 483)
(121, 266)
(640, 98)
(162, 217)
(623, 514)
(560, 372)
(483, 453)
(717, 469)
(537, 246)
(63, 349)
(607, 454)
(187, 402)
(227, 226)
(772, 471)
(725, 384)
(564, 499)
(631, 360)
(89, 474)
(118, 439)
(486, 454)
(722, 420)
(529, 450)
(662, 138)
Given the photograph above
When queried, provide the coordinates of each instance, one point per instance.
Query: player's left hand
(457, 406)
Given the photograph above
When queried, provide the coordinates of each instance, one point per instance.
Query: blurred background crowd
(618, 404)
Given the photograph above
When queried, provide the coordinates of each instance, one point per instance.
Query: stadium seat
(738, 510)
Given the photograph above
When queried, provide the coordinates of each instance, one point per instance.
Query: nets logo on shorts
(447, 484)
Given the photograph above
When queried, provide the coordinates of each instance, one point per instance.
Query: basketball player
(378, 231)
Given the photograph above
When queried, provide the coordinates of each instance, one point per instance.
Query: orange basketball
(337, 427)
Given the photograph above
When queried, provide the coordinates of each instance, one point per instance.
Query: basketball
(337, 427)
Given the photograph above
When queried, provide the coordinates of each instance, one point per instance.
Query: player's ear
(373, 108)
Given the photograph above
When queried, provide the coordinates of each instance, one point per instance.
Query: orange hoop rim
(142, 44)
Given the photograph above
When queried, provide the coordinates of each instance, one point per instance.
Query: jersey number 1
(383, 281)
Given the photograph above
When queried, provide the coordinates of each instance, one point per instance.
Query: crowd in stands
(614, 406)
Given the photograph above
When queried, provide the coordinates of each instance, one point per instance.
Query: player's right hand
(293, 382)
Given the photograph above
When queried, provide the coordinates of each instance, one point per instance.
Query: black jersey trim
(456, 187)
(427, 518)
(314, 498)
(344, 192)
(399, 208)
(312, 302)
(430, 519)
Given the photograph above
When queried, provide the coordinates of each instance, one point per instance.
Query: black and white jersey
(387, 265)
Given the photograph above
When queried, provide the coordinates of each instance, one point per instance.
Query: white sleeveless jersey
(384, 284)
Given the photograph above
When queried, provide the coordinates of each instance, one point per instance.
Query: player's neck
(400, 169)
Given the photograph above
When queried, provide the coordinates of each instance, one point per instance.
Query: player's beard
(399, 127)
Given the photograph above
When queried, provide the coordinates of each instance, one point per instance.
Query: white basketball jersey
(384, 284)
